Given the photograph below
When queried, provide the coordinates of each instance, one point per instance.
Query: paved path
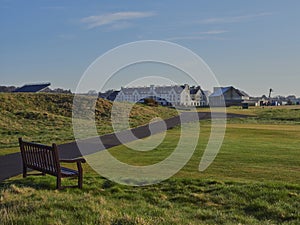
(11, 165)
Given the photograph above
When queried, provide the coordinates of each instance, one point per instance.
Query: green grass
(176, 201)
(47, 118)
(250, 152)
(255, 179)
(267, 114)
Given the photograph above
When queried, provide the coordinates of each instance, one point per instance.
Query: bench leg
(80, 181)
(79, 167)
(58, 182)
(24, 171)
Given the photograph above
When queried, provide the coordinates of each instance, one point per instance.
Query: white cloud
(211, 32)
(196, 37)
(120, 26)
(203, 35)
(233, 19)
(178, 38)
(114, 18)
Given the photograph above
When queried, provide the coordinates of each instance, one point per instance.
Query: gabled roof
(157, 89)
(244, 93)
(222, 90)
(194, 90)
(32, 87)
(130, 90)
(178, 89)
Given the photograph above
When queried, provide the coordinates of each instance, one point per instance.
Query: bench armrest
(77, 160)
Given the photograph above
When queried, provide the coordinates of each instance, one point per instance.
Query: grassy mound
(47, 118)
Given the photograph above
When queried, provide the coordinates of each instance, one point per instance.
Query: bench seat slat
(68, 172)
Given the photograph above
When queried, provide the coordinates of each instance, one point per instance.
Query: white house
(176, 95)
(198, 97)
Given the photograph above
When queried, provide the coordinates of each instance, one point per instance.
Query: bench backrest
(40, 157)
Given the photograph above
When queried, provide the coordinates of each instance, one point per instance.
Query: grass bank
(47, 118)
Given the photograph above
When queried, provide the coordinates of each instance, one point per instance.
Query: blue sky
(252, 45)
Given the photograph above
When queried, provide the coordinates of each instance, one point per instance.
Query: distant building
(7, 88)
(56, 91)
(32, 87)
(198, 96)
(109, 95)
(292, 100)
(175, 95)
(229, 96)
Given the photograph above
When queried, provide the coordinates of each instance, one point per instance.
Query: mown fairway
(255, 179)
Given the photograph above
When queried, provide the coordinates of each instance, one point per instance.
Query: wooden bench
(45, 159)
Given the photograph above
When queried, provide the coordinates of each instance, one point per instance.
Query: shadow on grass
(48, 182)
(35, 182)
